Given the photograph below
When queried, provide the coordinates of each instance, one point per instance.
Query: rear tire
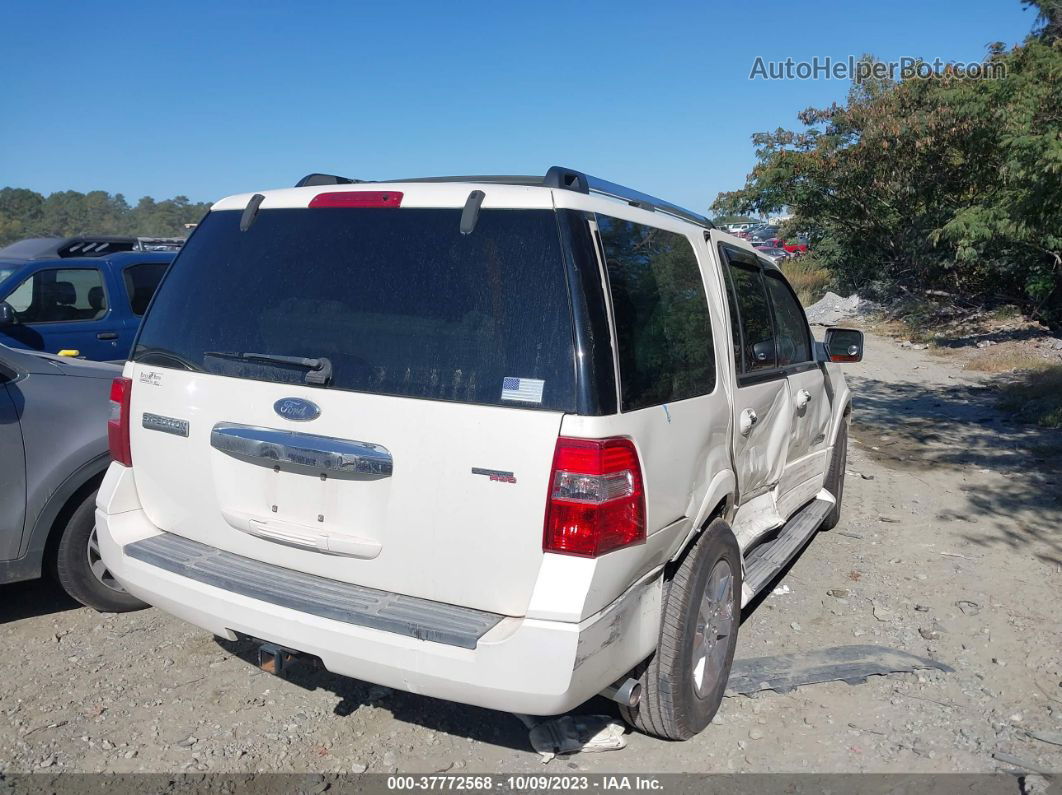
(684, 681)
(80, 569)
(834, 482)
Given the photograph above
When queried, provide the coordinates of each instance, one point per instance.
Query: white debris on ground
(572, 734)
(832, 309)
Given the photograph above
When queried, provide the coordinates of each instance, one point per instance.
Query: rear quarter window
(398, 300)
(663, 329)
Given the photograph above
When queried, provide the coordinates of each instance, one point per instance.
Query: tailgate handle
(319, 453)
(302, 536)
(330, 543)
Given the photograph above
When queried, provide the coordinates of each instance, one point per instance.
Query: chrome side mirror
(844, 345)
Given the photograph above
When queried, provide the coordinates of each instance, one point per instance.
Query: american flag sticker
(523, 390)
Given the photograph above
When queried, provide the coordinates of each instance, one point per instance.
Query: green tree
(25, 213)
(20, 213)
(950, 181)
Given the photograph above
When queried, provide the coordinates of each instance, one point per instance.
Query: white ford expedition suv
(510, 441)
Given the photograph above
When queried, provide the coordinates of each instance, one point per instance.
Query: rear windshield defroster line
(399, 301)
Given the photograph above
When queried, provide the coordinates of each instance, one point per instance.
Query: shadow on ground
(33, 598)
(446, 717)
(970, 339)
(918, 428)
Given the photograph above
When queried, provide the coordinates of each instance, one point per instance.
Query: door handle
(803, 397)
(107, 335)
(748, 419)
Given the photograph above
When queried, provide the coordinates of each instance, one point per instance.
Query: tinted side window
(792, 343)
(140, 283)
(663, 331)
(735, 320)
(67, 294)
(758, 334)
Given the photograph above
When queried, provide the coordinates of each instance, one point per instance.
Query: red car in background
(798, 245)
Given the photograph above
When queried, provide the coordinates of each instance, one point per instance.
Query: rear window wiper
(319, 370)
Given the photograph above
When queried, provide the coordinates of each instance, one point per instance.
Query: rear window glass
(140, 283)
(661, 315)
(398, 300)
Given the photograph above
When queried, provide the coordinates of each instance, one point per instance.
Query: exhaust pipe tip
(634, 694)
(628, 692)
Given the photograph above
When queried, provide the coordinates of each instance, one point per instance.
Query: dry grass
(944, 326)
(921, 322)
(810, 280)
(1036, 396)
(1004, 359)
(904, 329)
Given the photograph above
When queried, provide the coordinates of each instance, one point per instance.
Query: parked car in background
(83, 294)
(797, 245)
(764, 232)
(508, 441)
(744, 226)
(775, 255)
(53, 434)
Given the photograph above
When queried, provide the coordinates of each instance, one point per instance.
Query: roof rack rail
(644, 200)
(556, 177)
(491, 179)
(325, 179)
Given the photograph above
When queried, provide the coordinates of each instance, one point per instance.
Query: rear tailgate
(432, 528)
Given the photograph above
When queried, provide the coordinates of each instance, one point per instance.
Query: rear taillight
(118, 424)
(358, 198)
(596, 501)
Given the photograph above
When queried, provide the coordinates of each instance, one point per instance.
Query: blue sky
(211, 98)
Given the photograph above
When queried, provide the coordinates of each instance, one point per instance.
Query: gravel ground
(949, 548)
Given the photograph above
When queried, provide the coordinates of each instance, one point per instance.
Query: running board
(766, 560)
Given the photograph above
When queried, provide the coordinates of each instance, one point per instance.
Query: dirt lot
(950, 547)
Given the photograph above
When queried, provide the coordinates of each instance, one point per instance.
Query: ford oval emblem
(297, 409)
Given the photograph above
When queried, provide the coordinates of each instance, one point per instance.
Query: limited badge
(497, 475)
